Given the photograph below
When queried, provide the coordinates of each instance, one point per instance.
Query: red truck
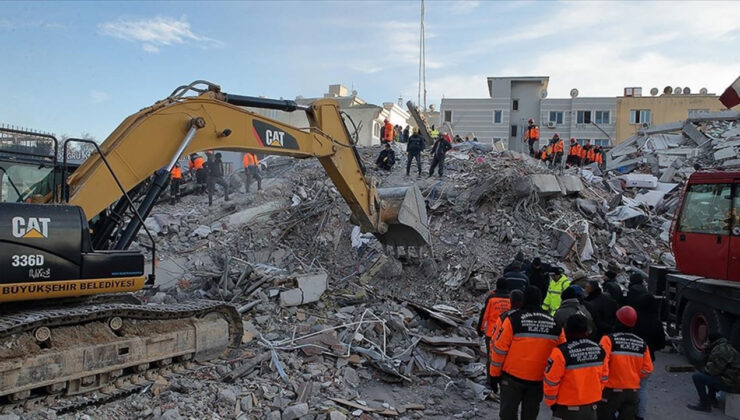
(703, 293)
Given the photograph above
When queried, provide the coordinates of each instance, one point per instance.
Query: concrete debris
(334, 327)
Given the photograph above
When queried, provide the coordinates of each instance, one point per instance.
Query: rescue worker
(598, 156)
(612, 287)
(405, 135)
(539, 275)
(575, 373)
(574, 153)
(628, 360)
(604, 306)
(558, 283)
(387, 132)
(434, 133)
(175, 181)
(215, 167)
(557, 149)
(590, 155)
(386, 158)
(515, 276)
(414, 148)
(439, 150)
(584, 153)
(570, 306)
(251, 170)
(196, 164)
(636, 289)
(520, 351)
(516, 300)
(497, 303)
(720, 373)
(532, 136)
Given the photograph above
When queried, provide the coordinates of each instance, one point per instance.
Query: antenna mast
(422, 64)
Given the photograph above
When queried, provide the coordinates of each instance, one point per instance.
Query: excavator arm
(155, 137)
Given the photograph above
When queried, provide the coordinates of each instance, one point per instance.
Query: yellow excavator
(68, 325)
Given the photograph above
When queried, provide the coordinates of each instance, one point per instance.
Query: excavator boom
(155, 137)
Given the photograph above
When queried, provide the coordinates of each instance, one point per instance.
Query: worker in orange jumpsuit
(557, 150)
(251, 170)
(196, 165)
(575, 374)
(497, 303)
(583, 153)
(520, 351)
(628, 359)
(590, 156)
(516, 300)
(532, 136)
(574, 153)
(175, 181)
(387, 132)
(598, 156)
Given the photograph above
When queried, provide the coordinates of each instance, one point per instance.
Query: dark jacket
(440, 148)
(605, 310)
(515, 279)
(540, 277)
(416, 144)
(570, 307)
(613, 289)
(635, 292)
(724, 363)
(648, 326)
(390, 154)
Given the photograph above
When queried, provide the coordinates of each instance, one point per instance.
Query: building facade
(635, 111)
(514, 100)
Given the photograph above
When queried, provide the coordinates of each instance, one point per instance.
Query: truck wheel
(697, 322)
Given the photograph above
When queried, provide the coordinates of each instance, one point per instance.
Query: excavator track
(74, 356)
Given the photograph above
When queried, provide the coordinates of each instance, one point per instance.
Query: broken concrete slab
(650, 198)
(618, 164)
(724, 115)
(639, 180)
(726, 153)
(310, 289)
(565, 244)
(255, 214)
(545, 185)
(731, 162)
(663, 128)
(570, 184)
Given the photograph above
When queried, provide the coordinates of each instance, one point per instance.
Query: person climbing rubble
(175, 181)
(196, 166)
(574, 153)
(251, 170)
(520, 353)
(439, 150)
(386, 159)
(413, 149)
(215, 175)
(557, 149)
(532, 136)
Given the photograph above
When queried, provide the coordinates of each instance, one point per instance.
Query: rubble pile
(334, 326)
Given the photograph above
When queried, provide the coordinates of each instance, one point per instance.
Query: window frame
(444, 116)
(599, 117)
(581, 116)
(559, 118)
(500, 114)
(515, 104)
(685, 214)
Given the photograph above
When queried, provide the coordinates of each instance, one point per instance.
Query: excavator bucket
(404, 211)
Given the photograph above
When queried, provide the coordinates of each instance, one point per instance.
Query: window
(584, 117)
(515, 105)
(582, 141)
(497, 116)
(600, 142)
(706, 209)
(640, 116)
(556, 117)
(601, 117)
(448, 116)
(513, 131)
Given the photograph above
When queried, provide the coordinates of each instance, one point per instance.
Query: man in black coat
(636, 289)
(604, 306)
(439, 150)
(612, 288)
(414, 148)
(539, 274)
(387, 158)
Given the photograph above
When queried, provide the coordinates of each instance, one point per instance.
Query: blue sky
(73, 67)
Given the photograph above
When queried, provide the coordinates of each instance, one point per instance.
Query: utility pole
(422, 91)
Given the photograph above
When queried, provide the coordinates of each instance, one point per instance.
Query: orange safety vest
(628, 360)
(558, 148)
(250, 160)
(176, 173)
(532, 133)
(575, 373)
(388, 132)
(196, 164)
(543, 156)
(496, 304)
(599, 158)
(574, 150)
(582, 152)
(523, 344)
(590, 155)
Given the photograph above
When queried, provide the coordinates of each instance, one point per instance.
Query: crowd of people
(414, 146)
(210, 171)
(552, 152)
(582, 344)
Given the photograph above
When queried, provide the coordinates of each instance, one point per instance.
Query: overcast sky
(73, 67)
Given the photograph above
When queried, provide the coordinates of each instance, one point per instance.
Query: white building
(514, 100)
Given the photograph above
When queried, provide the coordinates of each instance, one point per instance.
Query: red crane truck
(702, 294)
